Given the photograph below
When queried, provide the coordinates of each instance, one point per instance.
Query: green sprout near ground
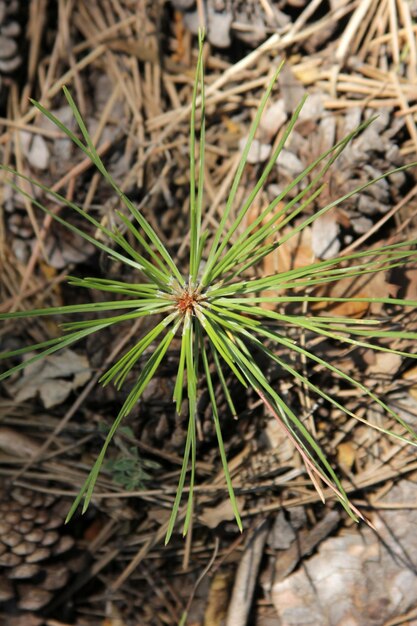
(214, 306)
(129, 469)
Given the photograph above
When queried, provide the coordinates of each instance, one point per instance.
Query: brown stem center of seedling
(187, 300)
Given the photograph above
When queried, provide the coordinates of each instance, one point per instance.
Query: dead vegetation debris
(129, 65)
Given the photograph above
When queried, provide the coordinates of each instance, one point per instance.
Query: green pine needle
(216, 310)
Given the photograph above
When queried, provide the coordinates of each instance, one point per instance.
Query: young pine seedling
(215, 309)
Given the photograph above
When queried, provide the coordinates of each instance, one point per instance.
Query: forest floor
(129, 65)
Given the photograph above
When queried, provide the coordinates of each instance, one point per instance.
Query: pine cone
(372, 153)
(244, 19)
(34, 559)
(10, 30)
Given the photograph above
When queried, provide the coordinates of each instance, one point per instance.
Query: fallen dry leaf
(53, 379)
(367, 286)
(296, 252)
(212, 516)
(356, 579)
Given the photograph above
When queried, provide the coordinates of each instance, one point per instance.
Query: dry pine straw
(113, 42)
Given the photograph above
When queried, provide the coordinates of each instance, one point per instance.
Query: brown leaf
(50, 378)
(296, 252)
(367, 286)
(212, 516)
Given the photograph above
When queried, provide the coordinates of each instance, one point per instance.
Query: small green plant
(215, 308)
(129, 469)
